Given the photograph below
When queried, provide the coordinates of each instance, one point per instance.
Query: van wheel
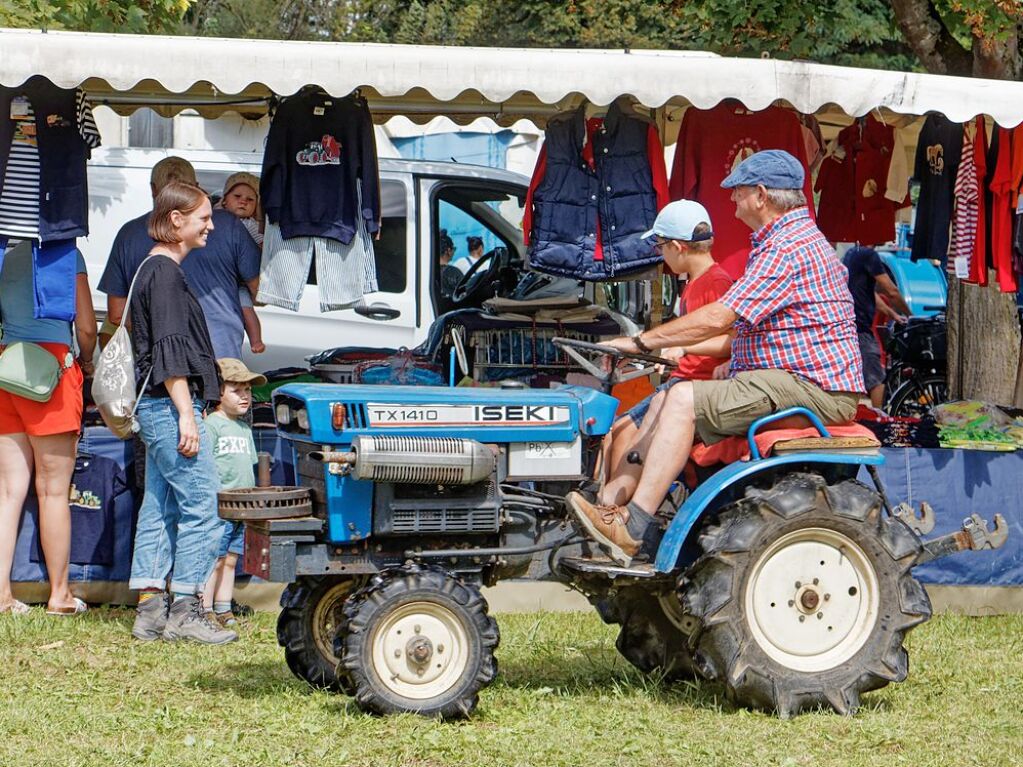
(654, 631)
(804, 596)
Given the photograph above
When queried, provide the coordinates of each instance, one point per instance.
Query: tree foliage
(148, 16)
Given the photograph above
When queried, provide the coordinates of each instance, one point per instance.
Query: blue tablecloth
(957, 483)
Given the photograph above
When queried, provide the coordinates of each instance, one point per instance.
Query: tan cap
(234, 371)
(242, 177)
(172, 169)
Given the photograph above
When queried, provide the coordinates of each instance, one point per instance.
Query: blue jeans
(178, 527)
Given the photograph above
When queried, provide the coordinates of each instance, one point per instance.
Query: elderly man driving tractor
(794, 344)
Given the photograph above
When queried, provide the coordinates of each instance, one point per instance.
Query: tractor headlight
(302, 418)
(283, 413)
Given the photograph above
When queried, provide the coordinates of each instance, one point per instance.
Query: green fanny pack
(28, 370)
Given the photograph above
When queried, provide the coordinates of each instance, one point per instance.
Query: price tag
(318, 111)
(20, 108)
(962, 264)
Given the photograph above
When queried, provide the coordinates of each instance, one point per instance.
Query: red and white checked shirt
(794, 306)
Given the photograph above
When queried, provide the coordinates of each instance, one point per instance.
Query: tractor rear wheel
(417, 639)
(307, 626)
(654, 632)
(804, 596)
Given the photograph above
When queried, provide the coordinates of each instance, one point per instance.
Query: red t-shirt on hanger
(711, 143)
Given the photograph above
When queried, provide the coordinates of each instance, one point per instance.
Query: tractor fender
(729, 482)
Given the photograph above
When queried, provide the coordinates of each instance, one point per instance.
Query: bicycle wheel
(918, 396)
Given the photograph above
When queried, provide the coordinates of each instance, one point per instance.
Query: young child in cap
(241, 199)
(234, 451)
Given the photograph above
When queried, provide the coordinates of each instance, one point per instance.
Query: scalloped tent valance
(212, 76)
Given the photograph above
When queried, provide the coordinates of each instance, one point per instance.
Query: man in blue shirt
(214, 273)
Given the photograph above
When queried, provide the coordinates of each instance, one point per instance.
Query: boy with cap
(684, 239)
(234, 451)
(241, 199)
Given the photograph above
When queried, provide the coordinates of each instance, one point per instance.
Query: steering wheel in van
(477, 277)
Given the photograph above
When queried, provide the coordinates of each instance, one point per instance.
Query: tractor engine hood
(335, 413)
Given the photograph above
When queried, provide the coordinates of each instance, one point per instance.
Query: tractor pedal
(608, 567)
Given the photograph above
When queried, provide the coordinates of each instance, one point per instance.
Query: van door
(453, 210)
(385, 318)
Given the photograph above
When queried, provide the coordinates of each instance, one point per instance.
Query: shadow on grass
(250, 679)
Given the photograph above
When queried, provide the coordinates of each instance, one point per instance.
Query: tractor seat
(782, 438)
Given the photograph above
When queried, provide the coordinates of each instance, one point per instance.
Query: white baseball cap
(678, 219)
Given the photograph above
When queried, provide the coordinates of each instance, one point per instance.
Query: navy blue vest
(619, 189)
(63, 189)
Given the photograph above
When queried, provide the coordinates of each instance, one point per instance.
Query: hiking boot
(151, 618)
(242, 611)
(627, 532)
(227, 619)
(187, 620)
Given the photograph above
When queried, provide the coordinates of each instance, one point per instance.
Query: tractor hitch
(974, 536)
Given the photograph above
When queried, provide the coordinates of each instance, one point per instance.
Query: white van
(418, 200)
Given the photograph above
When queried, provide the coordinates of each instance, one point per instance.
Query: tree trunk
(984, 344)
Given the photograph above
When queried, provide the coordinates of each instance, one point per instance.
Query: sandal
(66, 612)
(16, 608)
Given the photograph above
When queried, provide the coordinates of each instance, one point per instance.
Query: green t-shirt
(234, 450)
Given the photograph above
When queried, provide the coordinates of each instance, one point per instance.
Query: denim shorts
(638, 411)
(232, 541)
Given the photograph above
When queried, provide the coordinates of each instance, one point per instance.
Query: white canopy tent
(211, 75)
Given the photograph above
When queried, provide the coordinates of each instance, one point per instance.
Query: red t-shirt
(711, 143)
(705, 289)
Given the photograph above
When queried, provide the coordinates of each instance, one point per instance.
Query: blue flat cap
(771, 168)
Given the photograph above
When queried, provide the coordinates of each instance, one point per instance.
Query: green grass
(82, 692)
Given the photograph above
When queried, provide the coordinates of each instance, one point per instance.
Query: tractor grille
(355, 415)
(409, 521)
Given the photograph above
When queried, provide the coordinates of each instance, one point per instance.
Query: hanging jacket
(575, 202)
(63, 188)
(317, 150)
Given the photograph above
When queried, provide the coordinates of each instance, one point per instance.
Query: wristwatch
(638, 340)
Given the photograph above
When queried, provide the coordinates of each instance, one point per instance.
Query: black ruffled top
(169, 333)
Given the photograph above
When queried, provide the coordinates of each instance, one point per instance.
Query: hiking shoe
(242, 611)
(151, 618)
(625, 531)
(226, 619)
(187, 620)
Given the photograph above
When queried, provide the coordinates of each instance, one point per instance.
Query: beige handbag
(113, 386)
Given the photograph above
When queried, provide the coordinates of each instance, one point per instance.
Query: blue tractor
(784, 577)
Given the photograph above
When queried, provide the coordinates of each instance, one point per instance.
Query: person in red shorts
(684, 238)
(41, 436)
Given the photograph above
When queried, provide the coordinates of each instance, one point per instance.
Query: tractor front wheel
(419, 640)
(804, 596)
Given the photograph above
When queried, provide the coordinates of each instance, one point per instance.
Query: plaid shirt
(794, 306)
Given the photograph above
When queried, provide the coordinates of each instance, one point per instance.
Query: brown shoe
(607, 526)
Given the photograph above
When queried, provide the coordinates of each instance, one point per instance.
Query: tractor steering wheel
(584, 353)
(473, 278)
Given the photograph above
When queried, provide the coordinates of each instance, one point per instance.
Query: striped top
(794, 306)
(19, 194)
(967, 208)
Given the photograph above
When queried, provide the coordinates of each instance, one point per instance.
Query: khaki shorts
(726, 408)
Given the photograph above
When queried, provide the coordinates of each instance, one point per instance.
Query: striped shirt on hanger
(19, 194)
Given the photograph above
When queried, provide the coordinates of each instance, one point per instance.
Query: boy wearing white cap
(684, 238)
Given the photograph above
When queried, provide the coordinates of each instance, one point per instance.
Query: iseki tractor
(785, 578)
